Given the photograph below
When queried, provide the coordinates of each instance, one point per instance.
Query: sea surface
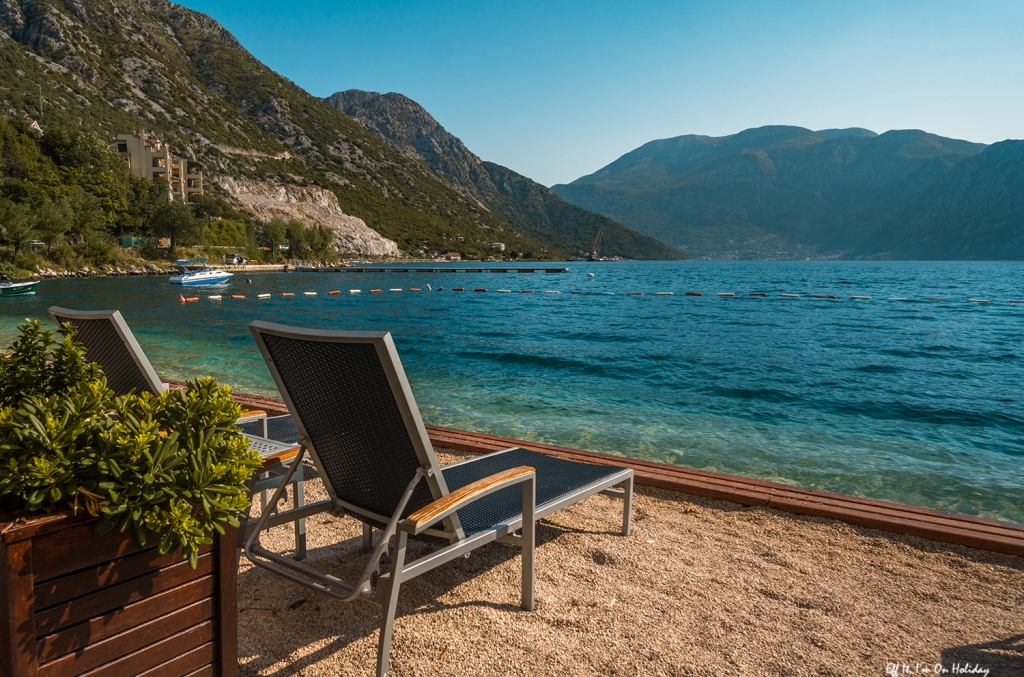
(913, 401)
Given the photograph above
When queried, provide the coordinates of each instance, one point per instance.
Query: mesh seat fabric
(556, 478)
(343, 398)
(104, 346)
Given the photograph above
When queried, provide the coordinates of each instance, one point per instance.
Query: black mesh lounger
(354, 413)
(110, 343)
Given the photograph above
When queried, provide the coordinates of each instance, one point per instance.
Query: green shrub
(171, 468)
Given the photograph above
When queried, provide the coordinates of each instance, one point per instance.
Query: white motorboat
(195, 272)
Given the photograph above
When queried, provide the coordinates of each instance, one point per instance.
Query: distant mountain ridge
(787, 192)
(122, 65)
(528, 206)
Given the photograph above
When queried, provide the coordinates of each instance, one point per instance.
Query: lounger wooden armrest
(458, 499)
(251, 414)
(280, 456)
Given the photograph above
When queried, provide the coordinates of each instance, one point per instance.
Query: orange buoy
(458, 289)
(287, 293)
(375, 291)
(479, 289)
(332, 293)
(237, 296)
(182, 297)
(414, 289)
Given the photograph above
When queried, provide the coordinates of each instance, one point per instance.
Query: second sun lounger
(356, 417)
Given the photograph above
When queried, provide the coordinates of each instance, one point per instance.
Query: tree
(175, 221)
(297, 239)
(15, 224)
(274, 233)
(52, 218)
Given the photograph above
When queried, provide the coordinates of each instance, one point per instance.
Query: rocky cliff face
(312, 205)
(122, 65)
(531, 208)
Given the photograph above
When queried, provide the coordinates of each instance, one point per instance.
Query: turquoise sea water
(912, 401)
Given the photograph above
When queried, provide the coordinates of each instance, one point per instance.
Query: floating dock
(365, 269)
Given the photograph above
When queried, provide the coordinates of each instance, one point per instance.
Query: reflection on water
(911, 401)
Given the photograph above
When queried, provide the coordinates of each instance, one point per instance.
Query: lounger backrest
(351, 401)
(109, 342)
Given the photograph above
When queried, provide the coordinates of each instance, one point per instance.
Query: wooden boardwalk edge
(975, 532)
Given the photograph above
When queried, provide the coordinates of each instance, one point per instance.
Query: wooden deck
(975, 532)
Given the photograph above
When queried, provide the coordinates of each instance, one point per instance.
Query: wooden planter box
(74, 603)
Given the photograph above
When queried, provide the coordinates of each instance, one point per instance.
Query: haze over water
(911, 401)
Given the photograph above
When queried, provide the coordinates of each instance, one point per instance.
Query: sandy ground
(701, 587)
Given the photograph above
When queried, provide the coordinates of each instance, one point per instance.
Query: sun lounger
(356, 417)
(109, 342)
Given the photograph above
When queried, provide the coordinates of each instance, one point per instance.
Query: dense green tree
(175, 221)
(15, 225)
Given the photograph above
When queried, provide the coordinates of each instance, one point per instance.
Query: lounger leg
(265, 494)
(387, 623)
(367, 537)
(300, 525)
(529, 541)
(627, 507)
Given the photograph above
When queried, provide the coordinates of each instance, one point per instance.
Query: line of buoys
(895, 298)
(824, 296)
(757, 293)
(458, 289)
(525, 291)
(415, 289)
(935, 299)
(590, 275)
(375, 291)
(354, 291)
(551, 291)
(694, 293)
(664, 293)
(480, 289)
(394, 289)
(215, 297)
(504, 291)
(186, 299)
(575, 292)
(634, 293)
(861, 298)
(263, 296)
(1016, 301)
(237, 296)
(790, 296)
(309, 293)
(977, 300)
(287, 293)
(725, 293)
(332, 293)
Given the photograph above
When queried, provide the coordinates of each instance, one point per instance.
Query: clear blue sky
(556, 90)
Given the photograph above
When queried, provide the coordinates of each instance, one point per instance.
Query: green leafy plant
(171, 468)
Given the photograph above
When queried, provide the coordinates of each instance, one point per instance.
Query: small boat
(16, 288)
(195, 271)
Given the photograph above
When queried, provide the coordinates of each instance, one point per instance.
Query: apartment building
(149, 158)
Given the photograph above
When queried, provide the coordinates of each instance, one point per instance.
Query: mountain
(531, 208)
(109, 66)
(792, 192)
(975, 211)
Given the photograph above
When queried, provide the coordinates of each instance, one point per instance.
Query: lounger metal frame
(386, 594)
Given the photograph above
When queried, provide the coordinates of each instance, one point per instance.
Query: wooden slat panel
(60, 553)
(186, 664)
(90, 580)
(155, 654)
(134, 614)
(108, 599)
(227, 611)
(907, 525)
(112, 648)
(17, 612)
